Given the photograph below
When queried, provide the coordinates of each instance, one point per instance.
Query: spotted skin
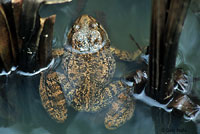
(84, 85)
(125, 55)
(121, 111)
(85, 74)
(52, 97)
(57, 52)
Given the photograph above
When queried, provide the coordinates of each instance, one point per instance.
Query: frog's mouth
(90, 49)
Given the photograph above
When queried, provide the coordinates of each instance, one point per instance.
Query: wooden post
(167, 22)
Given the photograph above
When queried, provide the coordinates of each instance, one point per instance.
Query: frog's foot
(52, 96)
(121, 111)
(125, 55)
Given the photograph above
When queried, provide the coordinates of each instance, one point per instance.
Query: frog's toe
(52, 96)
(121, 111)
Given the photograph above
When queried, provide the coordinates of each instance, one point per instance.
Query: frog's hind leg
(125, 55)
(52, 96)
(121, 110)
(106, 95)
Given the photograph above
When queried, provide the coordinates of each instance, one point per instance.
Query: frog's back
(87, 75)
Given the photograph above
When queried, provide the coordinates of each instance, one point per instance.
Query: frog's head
(87, 35)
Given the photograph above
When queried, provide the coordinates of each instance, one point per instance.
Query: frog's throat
(91, 51)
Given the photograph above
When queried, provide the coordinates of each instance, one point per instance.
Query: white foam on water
(145, 57)
(37, 72)
(130, 84)
(9, 72)
(149, 101)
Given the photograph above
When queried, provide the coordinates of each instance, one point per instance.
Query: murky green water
(120, 18)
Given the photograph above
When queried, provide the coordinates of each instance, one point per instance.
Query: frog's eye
(79, 45)
(94, 25)
(76, 27)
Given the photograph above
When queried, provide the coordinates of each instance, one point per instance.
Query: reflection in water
(122, 18)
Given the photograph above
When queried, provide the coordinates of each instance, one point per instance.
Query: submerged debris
(183, 82)
(7, 52)
(184, 103)
(25, 48)
(25, 37)
(139, 82)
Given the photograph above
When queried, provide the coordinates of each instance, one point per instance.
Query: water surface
(119, 18)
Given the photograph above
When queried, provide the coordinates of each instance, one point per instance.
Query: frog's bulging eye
(94, 25)
(79, 45)
(76, 27)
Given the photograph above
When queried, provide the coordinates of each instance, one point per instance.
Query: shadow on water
(120, 18)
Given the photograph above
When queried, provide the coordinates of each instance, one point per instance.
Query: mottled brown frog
(83, 79)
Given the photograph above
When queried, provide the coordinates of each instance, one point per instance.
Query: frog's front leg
(125, 55)
(52, 96)
(57, 52)
(120, 112)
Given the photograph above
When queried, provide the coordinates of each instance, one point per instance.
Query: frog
(83, 76)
